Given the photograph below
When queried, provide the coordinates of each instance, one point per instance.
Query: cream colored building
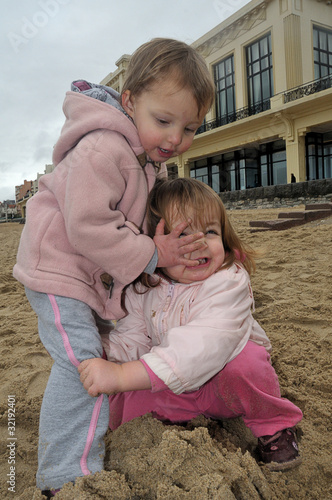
(272, 119)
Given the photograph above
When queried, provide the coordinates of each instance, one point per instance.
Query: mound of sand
(147, 459)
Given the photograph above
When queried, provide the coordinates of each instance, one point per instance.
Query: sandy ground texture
(204, 459)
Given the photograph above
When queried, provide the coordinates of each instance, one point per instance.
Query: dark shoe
(280, 451)
(50, 493)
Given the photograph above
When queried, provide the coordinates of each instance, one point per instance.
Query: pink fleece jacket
(83, 233)
(186, 333)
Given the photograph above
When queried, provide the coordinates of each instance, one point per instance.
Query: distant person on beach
(189, 344)
(85, 235)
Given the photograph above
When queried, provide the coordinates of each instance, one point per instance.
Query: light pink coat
(81, 227)
(186, 333)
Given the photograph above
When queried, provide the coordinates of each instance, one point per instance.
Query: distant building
(24, 190)
(271, 122)
(28, 189)
(116, 79)
(48, 169)
(8, 209)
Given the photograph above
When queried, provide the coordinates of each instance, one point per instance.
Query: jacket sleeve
(129, 340)
(219, 326)
(95, 209)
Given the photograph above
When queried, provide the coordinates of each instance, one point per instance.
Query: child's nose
(175, 138)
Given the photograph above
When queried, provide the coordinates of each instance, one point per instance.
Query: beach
(204, 459)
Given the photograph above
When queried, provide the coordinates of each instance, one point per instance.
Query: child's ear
(127, 103)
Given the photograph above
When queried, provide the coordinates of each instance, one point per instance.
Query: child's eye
(162, 122)
(190, 130)
(211, 231)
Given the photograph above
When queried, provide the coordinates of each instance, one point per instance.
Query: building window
(273, 163)
(225, 85)
(228, 172)
(259, 73)
(245, 168)
(328, 159)
(208, 171)
(172, 172)
(318, 156)
(322, 52)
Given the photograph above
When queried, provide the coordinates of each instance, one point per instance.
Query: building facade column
(183, 167)
(295, 155)
(293, 51)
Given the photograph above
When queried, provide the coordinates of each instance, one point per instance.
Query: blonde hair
(163, 57)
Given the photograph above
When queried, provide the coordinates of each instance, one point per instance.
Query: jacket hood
(88, 107)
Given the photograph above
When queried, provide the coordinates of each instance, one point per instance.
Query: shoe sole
(275, 466)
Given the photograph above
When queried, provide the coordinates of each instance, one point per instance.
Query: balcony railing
(308, 89)
(233, 117)
(290, 95)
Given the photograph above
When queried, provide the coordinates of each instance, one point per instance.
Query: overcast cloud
(46, 44)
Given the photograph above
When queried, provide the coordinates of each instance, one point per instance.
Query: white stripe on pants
(72, 423)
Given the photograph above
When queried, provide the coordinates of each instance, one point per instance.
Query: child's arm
(99, 376)
(216, 326)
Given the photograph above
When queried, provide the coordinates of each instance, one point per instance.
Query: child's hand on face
(99, 376)
(172, 249)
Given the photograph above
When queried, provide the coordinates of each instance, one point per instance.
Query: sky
(47, 44)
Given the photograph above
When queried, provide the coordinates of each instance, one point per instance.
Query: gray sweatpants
(72, 423)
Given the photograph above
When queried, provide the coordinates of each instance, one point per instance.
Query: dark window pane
(255, 51)
(264, 176)
(229, 81)
(225, 84)
(322, 41)
(257, 89)
(260, 71)
(279, 156)
(323, 57)
(280, 173)
(315, 38)
(266, 86)
(230, 104)
(264, 47)
(324, 71)
(256, 67)
(229, 68)
(216, 182)
(264, 63)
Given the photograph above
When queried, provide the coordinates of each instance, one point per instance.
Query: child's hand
(99, 376)
(171, 248)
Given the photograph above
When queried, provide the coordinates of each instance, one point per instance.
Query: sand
(204, 459)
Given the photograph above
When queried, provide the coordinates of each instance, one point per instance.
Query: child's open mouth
(166, 153)
(202, 261)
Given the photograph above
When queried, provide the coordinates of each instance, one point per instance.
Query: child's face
(166, 119)
(211, 258)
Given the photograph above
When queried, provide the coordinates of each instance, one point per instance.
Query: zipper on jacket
(168, 300)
